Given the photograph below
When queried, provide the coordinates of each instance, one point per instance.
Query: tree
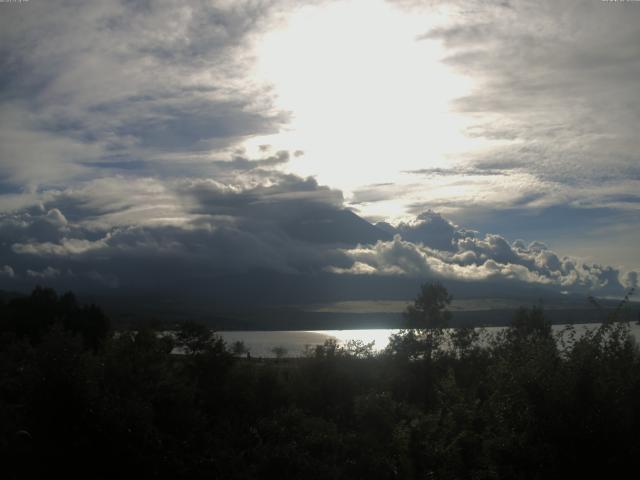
(279, 352)
(425, 320)
(359, 349)
(528, 323)
(429, 308)
(238, 348)
(196, 338)
(33, 316)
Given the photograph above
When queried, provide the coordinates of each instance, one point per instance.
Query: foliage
(195, 338)
(429, 308)
(519, 404)
(426, 320)
(279, 352)
(238, 348)
(33, 316)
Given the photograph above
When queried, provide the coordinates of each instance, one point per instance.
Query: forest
(81, 400)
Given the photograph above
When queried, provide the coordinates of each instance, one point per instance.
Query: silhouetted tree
(429, 309)
(518, 406)
(238, 348)
(425, 320)
(195, 337)
(31, 317)
(279, 352)
(530, 322)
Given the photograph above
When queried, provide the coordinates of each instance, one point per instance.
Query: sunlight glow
(367, 102)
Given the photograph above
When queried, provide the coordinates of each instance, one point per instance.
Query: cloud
(120, 162)
(554, 87)
(403, 258)
(552, 99)
(7, 271)
(260, 219)
(431, 229)
(66, 247)
(471, 257)
(121, 231)
(56, 217)
(461, 171)
(47, 273)
(88, 87)
(631, 280)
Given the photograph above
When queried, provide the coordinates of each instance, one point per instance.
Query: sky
(164, 144)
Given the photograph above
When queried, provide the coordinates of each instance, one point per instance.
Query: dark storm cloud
(141, 232)
(281, 198)
(260, 223)
(431, 229)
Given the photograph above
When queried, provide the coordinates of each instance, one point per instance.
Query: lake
(295, 343)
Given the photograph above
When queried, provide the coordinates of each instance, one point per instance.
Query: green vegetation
(79, 400)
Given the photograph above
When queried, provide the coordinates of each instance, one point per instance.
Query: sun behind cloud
(369, 98)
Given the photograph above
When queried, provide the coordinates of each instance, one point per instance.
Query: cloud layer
(187, 232)
(122, 121)
(123, 231)
(121, 85)
(554, 93)
(432, 247)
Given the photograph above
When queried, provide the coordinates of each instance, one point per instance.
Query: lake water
(295, 343)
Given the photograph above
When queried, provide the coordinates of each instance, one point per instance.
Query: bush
(521, 405)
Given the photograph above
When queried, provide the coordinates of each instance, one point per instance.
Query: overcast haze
(174, 145)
